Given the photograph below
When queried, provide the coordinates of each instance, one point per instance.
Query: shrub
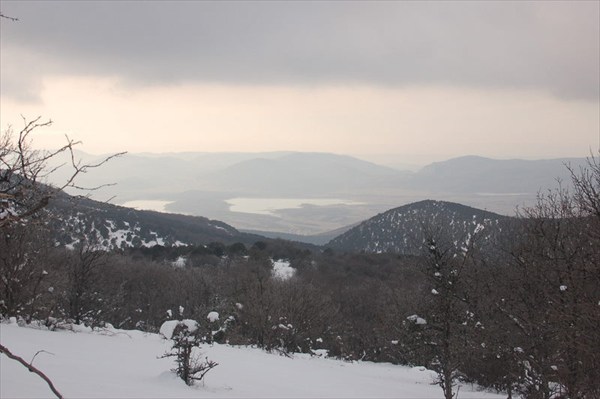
(186, 336)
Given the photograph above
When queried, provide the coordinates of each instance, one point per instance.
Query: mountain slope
(113, 227)
(404, 229)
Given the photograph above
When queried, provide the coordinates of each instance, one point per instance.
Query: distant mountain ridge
(277, 173)
(474, 174)
(404, 229)
(297, 174)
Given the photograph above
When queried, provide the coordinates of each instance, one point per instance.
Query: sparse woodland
(519, 314)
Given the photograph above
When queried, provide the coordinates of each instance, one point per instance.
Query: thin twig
(37, 353)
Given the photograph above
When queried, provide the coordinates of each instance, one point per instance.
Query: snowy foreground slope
(124, 364)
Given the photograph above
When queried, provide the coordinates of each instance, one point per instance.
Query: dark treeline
(519, 314)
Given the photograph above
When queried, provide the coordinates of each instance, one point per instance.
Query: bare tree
(446, 318)
(24, 172)
(23, 252)
(81, 273)
(551, 291)
(24, 193)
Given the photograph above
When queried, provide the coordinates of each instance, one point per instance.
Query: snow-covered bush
(186, 336)
(217, 328)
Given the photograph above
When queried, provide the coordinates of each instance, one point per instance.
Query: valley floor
(125, 364)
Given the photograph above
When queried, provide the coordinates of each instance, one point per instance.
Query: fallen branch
(31, 368)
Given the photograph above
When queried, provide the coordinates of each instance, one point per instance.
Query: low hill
(403, 230)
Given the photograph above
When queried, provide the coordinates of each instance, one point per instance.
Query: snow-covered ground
(124, 364)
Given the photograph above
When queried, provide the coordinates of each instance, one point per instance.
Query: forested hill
(114, 227)
(404, 230)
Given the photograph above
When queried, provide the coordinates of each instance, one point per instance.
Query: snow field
(125, 364)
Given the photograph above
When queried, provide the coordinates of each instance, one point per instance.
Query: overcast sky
(424, 80)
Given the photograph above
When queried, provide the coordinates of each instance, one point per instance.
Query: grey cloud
(550, 46)
(21, 79)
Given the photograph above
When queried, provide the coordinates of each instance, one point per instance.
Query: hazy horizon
(408, 162)
(427, 81)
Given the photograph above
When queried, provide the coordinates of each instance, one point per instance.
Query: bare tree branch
(32, 369)
(9, 18)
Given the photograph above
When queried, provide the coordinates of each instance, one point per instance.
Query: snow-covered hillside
(125, 364)
(112, 227)
(403, 230)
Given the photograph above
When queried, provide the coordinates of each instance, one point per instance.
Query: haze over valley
(310, 194)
